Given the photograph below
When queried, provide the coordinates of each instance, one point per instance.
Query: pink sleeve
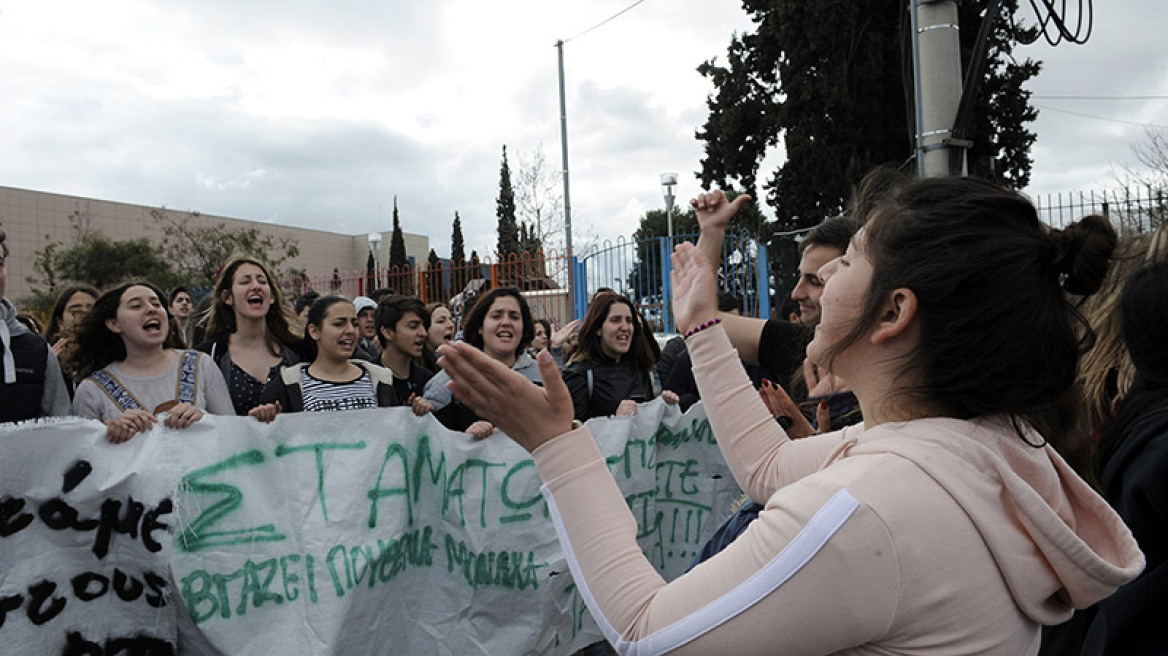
(815, 556)
(750, 438)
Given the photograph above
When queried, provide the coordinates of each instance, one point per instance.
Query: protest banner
(371, 532)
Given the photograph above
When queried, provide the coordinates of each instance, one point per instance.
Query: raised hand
(715, 211)
(562, 334)
(695, 292)
(529, 414)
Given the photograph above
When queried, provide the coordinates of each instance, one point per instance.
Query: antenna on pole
(564, 151)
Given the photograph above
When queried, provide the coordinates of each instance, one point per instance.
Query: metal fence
(559, 286)
(544, 277)
(641, 269)
(1134, 210)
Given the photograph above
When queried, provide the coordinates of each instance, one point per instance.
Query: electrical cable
(1099, 97)
(1103, 118)
(603, 22)
(1060, 31)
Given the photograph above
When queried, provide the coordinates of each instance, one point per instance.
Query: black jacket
(1131, 621)
(22, 399)
(612, 382)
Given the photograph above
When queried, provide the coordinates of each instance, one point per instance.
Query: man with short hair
(367, 347)
(302, 305)
(402, 325)
(776, 344)
(181, 304)
(31, 383)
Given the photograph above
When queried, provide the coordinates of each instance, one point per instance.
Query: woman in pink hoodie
(945, 524)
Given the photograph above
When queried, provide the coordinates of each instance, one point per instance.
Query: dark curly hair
(96, 346)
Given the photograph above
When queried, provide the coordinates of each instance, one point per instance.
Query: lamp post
(374, 247)
(668, 180)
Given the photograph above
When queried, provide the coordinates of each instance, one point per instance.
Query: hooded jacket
(31, 382)
(934, 536)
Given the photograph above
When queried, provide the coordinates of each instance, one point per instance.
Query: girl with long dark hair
(611, 370)
(134, 367)
(249, 330)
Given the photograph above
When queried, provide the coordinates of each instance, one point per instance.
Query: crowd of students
(134, 353)
(958, 438)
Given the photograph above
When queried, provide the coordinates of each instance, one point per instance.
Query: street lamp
(374, 247)
(668, 180)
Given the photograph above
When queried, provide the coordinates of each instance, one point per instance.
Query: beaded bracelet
(700, 327)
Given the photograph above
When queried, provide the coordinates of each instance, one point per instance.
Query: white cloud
(318, 114)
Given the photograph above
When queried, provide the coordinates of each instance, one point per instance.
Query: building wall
(34, 218)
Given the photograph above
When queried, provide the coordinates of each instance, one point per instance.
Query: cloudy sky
(318, 114)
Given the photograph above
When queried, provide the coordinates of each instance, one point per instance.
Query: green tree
(505, 211)
(371, 277)
(96, 259)
(458, 273)
(198, 251)
(645, 279)
(1001, 109)
(457, 246)
(828, 79)
(474, 267)
(436, 289)
(398, 260)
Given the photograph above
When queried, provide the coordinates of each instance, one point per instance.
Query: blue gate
(641, 270)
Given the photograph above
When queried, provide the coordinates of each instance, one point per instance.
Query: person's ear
(313, 332)
(113, 327)
(898, 314)
(225, 295)
(386, 333)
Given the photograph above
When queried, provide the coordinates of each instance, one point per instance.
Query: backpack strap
(187, 386)
(115, 391)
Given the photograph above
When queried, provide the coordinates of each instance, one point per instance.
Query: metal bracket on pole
(939, 26)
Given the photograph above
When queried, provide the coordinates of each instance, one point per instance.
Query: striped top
(327, 396)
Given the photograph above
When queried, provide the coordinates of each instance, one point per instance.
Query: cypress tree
(505, 210)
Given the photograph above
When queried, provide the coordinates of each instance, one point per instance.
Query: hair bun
(1083, 252)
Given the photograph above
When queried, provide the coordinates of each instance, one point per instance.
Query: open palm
(695, 292)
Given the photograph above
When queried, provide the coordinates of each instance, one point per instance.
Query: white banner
(367, 532)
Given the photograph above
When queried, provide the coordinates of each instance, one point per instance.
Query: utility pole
(937, 82)
(564, 150)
